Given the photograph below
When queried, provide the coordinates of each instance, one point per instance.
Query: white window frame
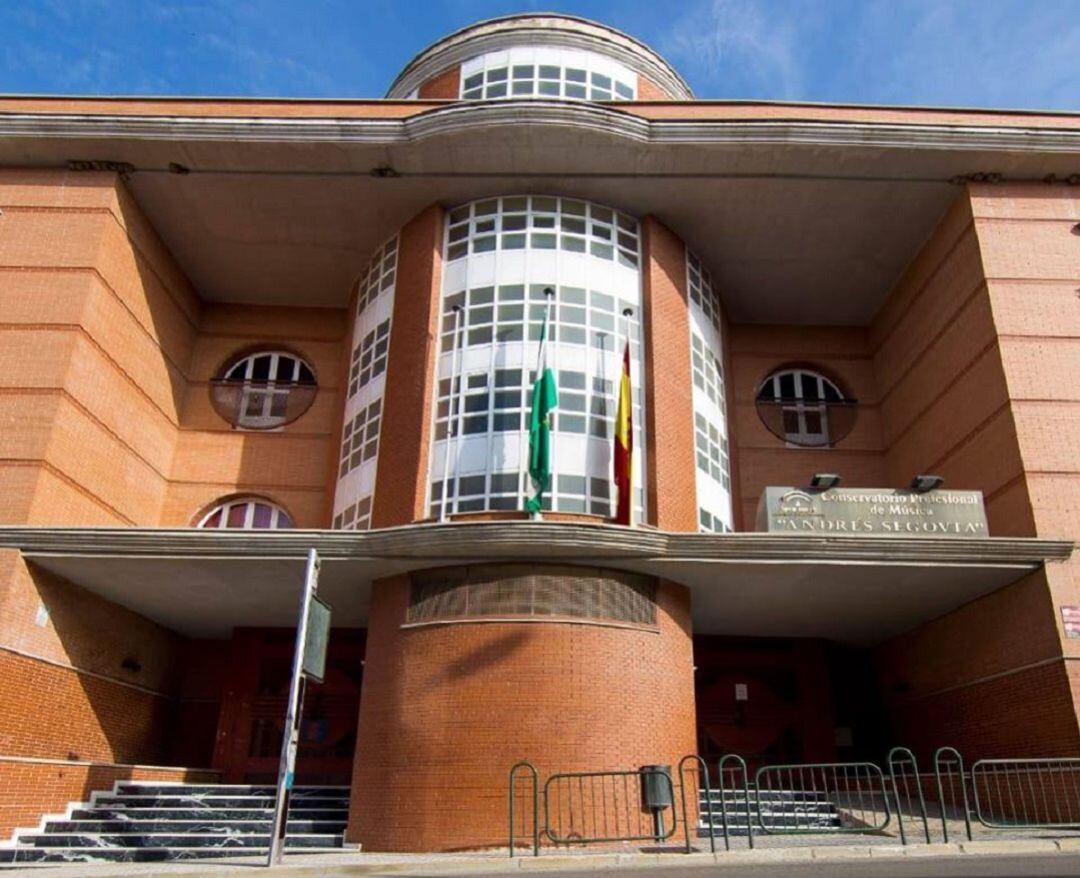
(801, 407)
(277, 514)
(264, 395)
(497, 76)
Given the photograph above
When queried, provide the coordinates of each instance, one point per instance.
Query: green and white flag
(545, 398)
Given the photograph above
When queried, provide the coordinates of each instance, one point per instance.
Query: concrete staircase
(152, 822)
(781, 811)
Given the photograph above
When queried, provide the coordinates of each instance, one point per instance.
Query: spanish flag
(624, 443)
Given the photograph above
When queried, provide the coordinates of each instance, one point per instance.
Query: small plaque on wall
(1070, 618)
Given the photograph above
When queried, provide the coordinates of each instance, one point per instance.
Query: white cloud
(737, 43)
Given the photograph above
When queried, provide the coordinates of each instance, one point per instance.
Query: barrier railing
(822, 797)
(1026, 793)
(529, 771)
(799, 799)
(702, 786)
(949, 777)
(738, 766)
(588, 807)
(904, 773)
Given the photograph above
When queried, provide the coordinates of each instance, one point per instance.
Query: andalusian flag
(545, 397)
(624, 443)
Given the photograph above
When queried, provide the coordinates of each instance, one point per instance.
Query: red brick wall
(841, 353)
(445, 85)
(958, 355)
(292, 465)
(647, 90)
(447, 709)
(98, 326)
(30, 789)
(404, 436)
(671, 491)
(55, 711)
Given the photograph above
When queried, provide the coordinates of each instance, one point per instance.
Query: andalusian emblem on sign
(873, 511)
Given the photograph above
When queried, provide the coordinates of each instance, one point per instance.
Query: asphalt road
(975, 866)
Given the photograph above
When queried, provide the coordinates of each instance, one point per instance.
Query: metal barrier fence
(587, 807)
(740, 795)
(903, 774)
(823, 797)
(951, 783)
(799, 799)
(1026, 793)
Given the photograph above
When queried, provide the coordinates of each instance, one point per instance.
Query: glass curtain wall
(713, 475)
(501, 254)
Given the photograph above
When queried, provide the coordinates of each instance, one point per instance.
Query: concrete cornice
(539, 29)
(525, 540)
(603, 119)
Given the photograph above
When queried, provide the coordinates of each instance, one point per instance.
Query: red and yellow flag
(624, 443)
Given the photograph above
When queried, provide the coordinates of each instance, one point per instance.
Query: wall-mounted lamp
(921, 484)
(824, 481)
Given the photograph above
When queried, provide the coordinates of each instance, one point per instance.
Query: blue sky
(993, 53)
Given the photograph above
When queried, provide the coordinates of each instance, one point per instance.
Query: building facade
(233, 330)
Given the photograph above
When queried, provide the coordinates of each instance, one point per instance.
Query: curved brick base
(446, 709)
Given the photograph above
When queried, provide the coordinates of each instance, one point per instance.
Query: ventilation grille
(528, 591)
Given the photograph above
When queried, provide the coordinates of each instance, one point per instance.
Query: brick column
(671, 492)
(405, 435)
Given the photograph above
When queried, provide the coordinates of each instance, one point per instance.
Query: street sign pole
(291, 738)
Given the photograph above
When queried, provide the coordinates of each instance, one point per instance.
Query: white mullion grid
(592, 65)
(622, 238)
(373, 294)
(709, 400)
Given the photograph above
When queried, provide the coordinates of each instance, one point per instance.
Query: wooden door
(252, 719)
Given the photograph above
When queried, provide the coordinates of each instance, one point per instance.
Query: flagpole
(541, 358)
(451, 424)
(627, 312)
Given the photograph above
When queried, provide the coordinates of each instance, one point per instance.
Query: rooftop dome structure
(570, 57)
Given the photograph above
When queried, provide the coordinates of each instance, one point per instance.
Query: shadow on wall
(121, 706)
(481, 658)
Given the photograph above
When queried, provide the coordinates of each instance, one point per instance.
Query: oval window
(805, 408)
(264, 390)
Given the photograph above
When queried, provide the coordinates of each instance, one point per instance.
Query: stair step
(121, 813)
(771, 795)
(133, 855)
(138, 789)
(142, 823)
(190, 839)
(155, 801)
(173, 827)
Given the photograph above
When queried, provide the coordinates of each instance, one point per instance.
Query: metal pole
(451, 424)
(541, 360)
(630, 475)
(291, 736)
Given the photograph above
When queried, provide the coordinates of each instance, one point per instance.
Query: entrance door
(763, 698)
(252, 719)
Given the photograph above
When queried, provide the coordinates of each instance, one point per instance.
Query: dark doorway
(767, 699)
(253, 712)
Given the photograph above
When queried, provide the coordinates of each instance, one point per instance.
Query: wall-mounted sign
(1070, 618)
(872, 511)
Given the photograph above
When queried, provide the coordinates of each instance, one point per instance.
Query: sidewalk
(1060, 857)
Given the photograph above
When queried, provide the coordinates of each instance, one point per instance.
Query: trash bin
(656, 787)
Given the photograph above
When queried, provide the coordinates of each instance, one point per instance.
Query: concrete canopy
(801, 220)
(852, 589)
